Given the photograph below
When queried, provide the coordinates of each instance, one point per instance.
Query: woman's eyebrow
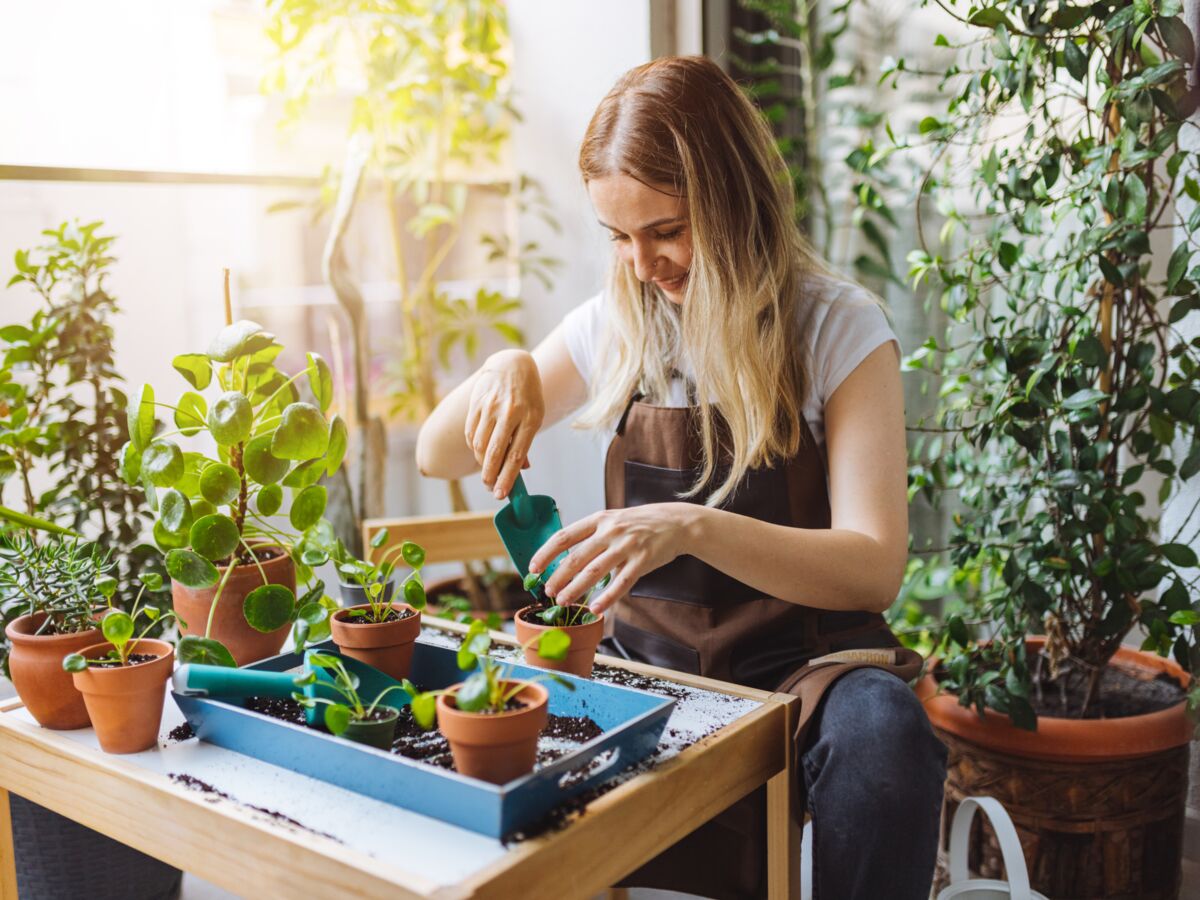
(670, 220)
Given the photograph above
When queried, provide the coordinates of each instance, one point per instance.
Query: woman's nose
(644, 258)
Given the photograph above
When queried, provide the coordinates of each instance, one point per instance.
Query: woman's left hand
(626, 542)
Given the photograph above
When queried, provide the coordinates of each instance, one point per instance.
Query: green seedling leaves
(74, 662)
(424, 709)
(269, 499)
(379, 538)
(302, 434)
(196, 368)
(231, 419)
(117, 628)
(269, 607)
(214, 537)
(261, 464)
(191, 414)
(191, 570)
(532, 580)
(413, 554)
(339, 438)
(107, 586)
(414, 594)
(308, 507)
(162, 463)
(554, 644)
(141, 417)
(315, 617)
(320, 379)
(206, 651)
(337, 718)
(474, 693)
(220, 484)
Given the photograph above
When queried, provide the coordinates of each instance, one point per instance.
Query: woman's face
(650, 229)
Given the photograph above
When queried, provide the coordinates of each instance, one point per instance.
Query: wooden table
(383, 851)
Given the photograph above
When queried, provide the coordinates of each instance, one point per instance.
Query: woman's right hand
(504, 413)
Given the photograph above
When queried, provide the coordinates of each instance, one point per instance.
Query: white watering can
(962, 886)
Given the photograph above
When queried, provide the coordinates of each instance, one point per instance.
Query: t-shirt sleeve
(581, 329)
(854, 326)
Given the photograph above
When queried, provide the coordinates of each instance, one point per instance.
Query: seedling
(118, 626)
(373, 578)
(338, 716)
(553, 614)
(489, 689)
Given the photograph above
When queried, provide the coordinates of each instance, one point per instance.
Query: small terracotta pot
(126, 702)
(388, 646)
(35, 663)
(584, 641)
(229, 624)
(379, 733)
(495, 747)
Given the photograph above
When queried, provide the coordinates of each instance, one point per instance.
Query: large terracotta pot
(388, 646)
(1099, 804)
(229, 623)
(495, 747)
(35, 663)
(582, 652)
(126, 702)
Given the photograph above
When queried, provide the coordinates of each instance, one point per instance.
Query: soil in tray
(560, 736)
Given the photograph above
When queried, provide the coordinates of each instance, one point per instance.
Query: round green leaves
(302, 433)
(338, 439)
(190, 413)
(308, 507)
(261, 464)
(162, 463)
(214, 537)
(269, 607)
(174, 511)
(191, 570)
(270, 498)
(231, 419)
(196, 368)
(220, 484)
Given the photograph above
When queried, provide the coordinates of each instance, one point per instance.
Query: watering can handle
(522, 506)
(1006, 834)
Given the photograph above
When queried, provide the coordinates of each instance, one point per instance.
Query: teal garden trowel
(524, 524)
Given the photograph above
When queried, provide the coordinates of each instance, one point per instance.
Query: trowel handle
(222, 681)
(522, 506)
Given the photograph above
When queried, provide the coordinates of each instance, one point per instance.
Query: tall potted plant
(1064, 387)
(234, 568)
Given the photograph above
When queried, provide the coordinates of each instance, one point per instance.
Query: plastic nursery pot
(35, 663)
(495, 747)
(584, 640)
(388, 646)
(229, 623)
(379, 733)
(356, 595)
(126, 702)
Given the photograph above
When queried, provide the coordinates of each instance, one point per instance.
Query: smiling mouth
(673, 285)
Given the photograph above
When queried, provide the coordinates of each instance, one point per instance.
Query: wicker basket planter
(1099, 804)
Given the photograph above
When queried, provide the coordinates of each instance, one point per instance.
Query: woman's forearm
(826, 568)
(442, 450)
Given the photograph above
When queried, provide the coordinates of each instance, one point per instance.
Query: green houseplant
(233, 566)
(367, 723)
(492, 720)
(1064, 385)
(580, 624)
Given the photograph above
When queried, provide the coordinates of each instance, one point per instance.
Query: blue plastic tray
(632, 722)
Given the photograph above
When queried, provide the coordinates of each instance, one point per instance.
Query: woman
(755, 476)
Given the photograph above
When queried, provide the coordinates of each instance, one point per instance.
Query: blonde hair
(682, 126)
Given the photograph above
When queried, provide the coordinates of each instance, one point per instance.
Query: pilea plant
(219, 508)
(490, 688)
(560, 616)
(118, 626)
(339, 716)
(1062, 399)
(375, 578)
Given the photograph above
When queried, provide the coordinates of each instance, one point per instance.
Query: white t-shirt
(844, 327)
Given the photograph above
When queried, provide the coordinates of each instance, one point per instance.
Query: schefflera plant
(264, 446)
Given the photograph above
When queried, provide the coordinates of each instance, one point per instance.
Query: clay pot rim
(543, 699)
(411, 612)
(1062, 739)
(395, 715)
(518, 616)
(16, 635)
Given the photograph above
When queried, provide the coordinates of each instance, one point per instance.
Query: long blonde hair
(682, 126)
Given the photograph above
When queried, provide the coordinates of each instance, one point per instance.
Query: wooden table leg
(783, 835)
(8, 860)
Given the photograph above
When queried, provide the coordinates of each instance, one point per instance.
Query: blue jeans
(874, 772)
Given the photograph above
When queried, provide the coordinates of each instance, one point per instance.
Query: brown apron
(693, 618)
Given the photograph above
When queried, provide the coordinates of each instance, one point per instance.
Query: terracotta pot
(388, 646)
(126, 702)
(495, 747)
(584, 641)
(35, 663)
(1099, 804)
(229, 624)
(379, 733)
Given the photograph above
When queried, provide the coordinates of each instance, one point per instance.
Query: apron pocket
(655, 649)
